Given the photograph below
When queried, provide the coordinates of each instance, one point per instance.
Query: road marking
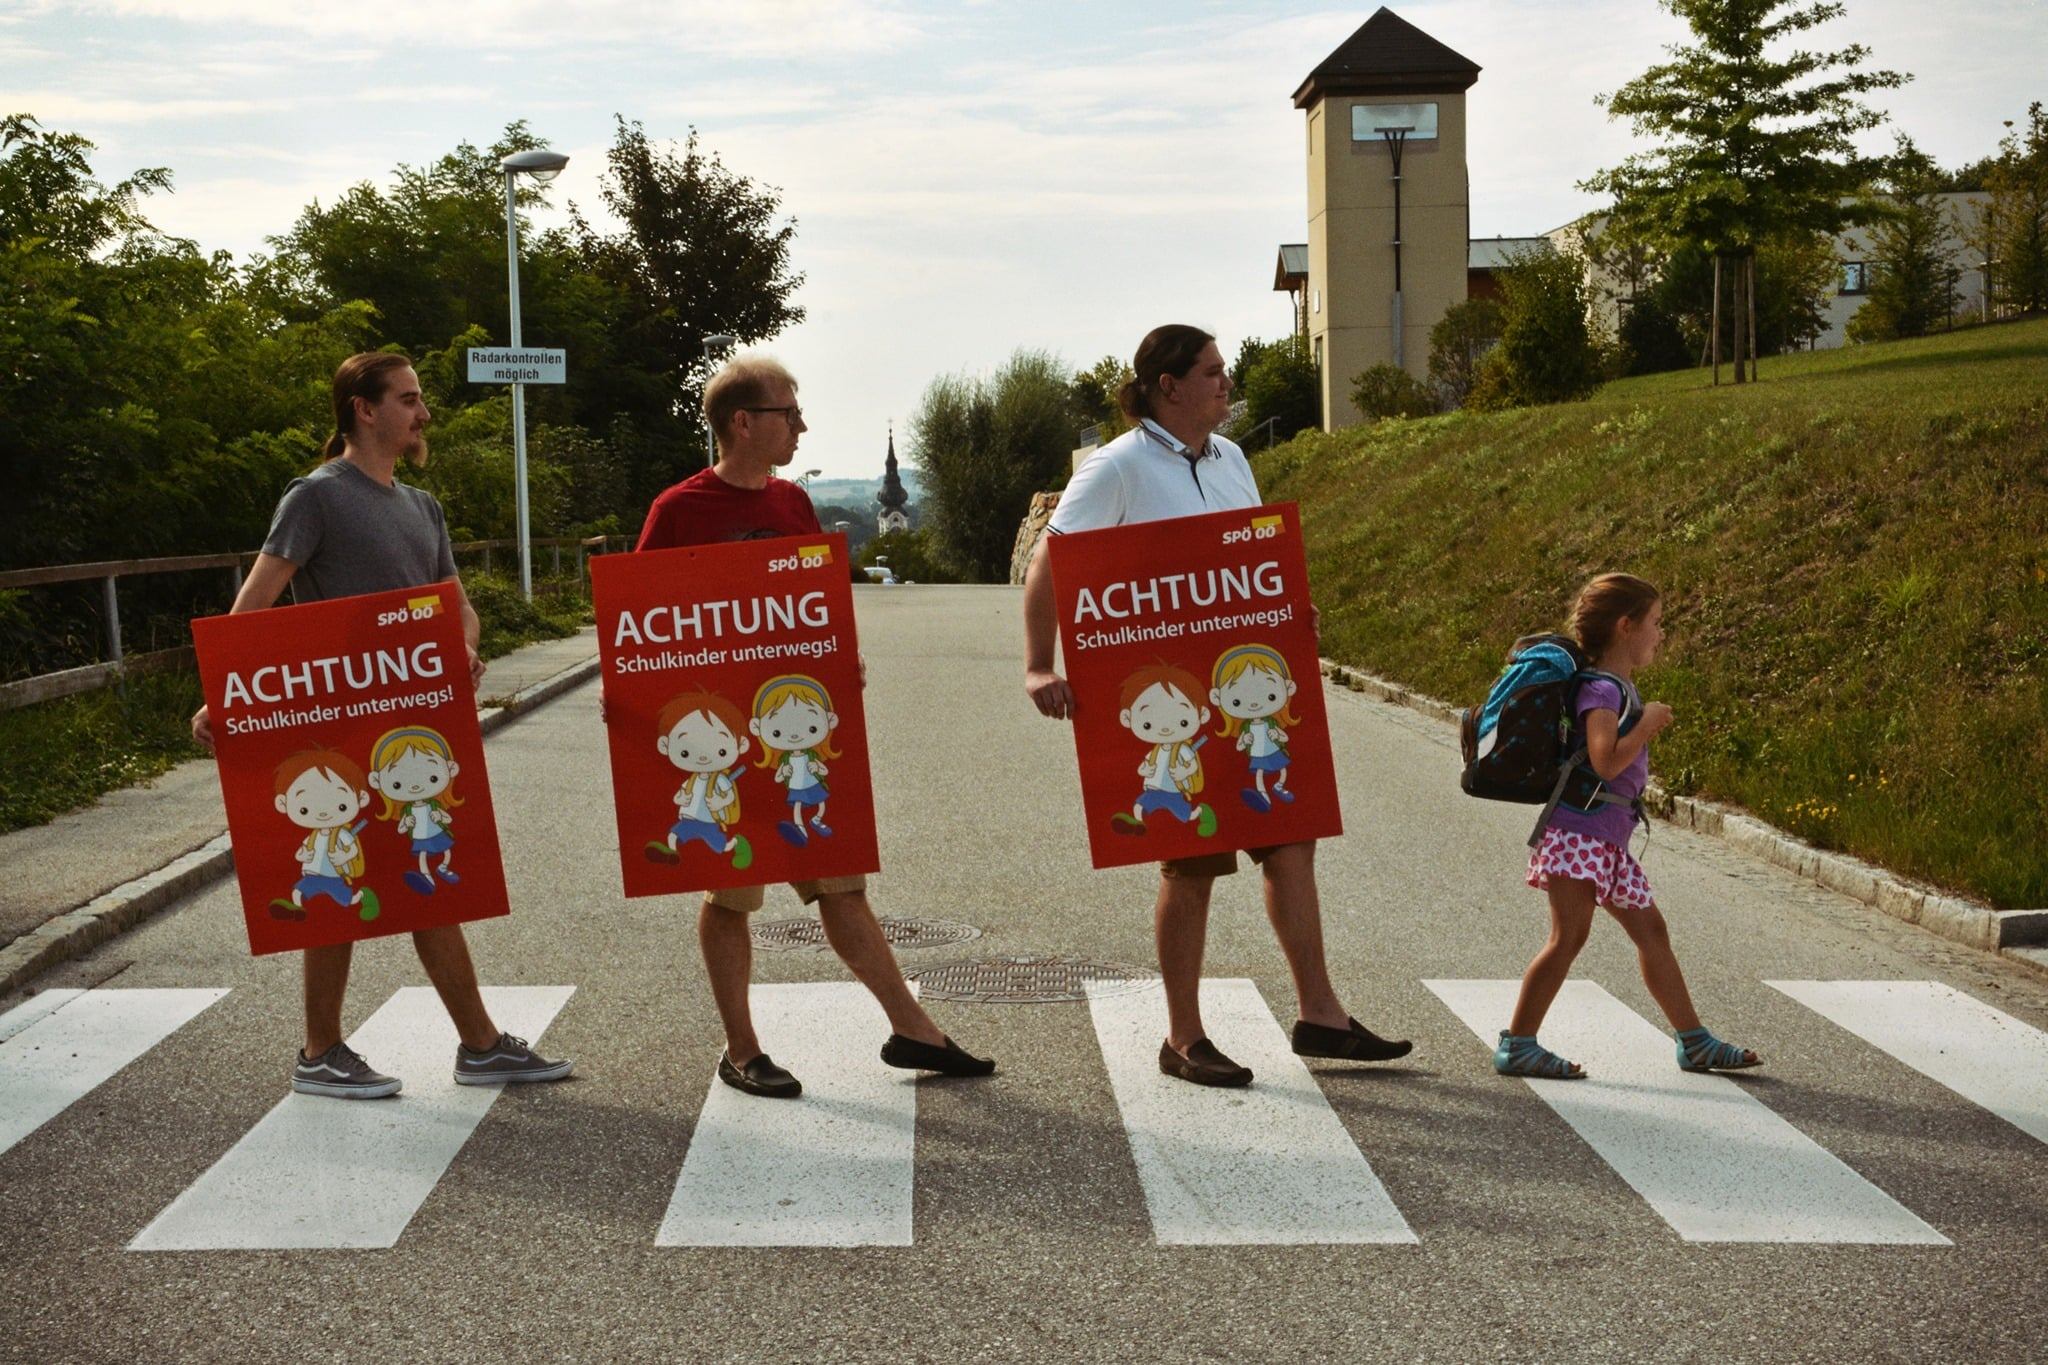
(61, 1044)
(1987, 1057)
(1711, 1159)
(321, 1172)
(833, 1168)
(1268, 1165)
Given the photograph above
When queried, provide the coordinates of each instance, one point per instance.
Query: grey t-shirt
(349, 534)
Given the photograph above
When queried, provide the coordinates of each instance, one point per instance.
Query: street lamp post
(717, 344)
(543, 167)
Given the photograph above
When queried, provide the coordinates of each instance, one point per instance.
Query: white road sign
(517, 365)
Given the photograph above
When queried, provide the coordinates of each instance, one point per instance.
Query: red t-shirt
(704, 509)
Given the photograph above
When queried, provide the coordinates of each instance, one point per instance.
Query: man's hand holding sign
(347, 739)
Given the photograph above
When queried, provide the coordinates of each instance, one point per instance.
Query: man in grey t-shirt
(346, 529)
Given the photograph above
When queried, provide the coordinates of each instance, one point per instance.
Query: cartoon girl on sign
(794, 721)
(700, 734)
(321, 792)
(414, 771)
(1252, 689)
(1159, 706)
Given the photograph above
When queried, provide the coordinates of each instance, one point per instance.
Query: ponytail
(366, 376)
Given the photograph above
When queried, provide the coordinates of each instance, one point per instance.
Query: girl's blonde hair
(779, 692)
(393, 745)
(1234, 664)
(1603, 604)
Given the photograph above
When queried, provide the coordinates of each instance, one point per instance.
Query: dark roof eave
(1411, 83)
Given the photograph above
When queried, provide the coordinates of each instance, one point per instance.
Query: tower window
(1368, 119)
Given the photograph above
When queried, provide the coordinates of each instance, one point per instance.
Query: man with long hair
(351, 527)
(1170, 464)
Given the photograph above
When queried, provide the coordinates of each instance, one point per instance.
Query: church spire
(892, 497)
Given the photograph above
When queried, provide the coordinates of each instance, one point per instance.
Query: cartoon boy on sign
(1159, 706)
(702, 734)
(322, 791)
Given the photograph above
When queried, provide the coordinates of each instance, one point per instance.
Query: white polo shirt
(1147, 474)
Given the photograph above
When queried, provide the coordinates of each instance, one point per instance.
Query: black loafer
(1355, 1044)
(759, 1077)
(1203, 1065)
(950, 1060)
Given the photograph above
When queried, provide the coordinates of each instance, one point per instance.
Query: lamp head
(541, 165)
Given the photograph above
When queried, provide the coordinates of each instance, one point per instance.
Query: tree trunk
(1752, 316)
(1714, 328)
(1735, 322)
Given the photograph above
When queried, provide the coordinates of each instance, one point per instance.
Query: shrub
(1281, 386)
(1390, 391)
(1458, 342)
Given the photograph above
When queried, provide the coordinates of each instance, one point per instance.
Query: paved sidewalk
(55, 868)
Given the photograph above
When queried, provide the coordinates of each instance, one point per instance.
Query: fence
(118, 665)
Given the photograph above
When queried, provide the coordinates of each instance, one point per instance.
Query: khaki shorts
(1222, 864)
(748, 899)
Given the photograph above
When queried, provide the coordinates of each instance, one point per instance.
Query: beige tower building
(1389, 202)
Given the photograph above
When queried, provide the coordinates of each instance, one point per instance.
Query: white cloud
(696, 27)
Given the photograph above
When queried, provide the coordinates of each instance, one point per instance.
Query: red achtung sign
(1198, 703)
(732, 700)
(352, 767)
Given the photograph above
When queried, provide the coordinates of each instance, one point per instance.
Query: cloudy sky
(967, 178)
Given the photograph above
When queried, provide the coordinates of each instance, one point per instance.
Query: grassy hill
(1854, 553)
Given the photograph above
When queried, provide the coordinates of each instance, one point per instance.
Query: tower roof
(1387, 56)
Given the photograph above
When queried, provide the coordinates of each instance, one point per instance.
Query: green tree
(1460, 339)
(984, 446)
(1911, 263)
(913, 556)
(1094, 393)
(701, 251)
(1282, 389)
(1754, 139)
(1546, 352)
(2015, 230)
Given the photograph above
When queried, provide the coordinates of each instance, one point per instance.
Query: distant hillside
(1854, 560)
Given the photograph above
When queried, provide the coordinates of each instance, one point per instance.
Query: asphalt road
(1030, 1234)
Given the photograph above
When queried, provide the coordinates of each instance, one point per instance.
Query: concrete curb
(2017, 935)
(78, 931)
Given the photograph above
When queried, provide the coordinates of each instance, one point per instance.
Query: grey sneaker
(506, 1062)
(342, 1073)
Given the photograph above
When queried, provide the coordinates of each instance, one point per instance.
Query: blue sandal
(1518, 1055)
(1699, 1050)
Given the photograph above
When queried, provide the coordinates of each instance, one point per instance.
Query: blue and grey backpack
(1524, 743)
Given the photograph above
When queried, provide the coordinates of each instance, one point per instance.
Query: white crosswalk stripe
(1271, 1164)
(318, 1172)
(833, 1168)
(1711, 1159)
(61, 1044)
(1985, 1055)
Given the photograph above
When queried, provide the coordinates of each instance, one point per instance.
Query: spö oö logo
(806, 557)
(1262, 528)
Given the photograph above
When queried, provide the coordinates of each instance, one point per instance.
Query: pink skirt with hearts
(1617, 878)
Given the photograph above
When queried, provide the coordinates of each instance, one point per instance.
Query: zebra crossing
(1273, 1165)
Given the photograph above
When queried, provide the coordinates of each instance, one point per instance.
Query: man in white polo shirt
(1172, 464)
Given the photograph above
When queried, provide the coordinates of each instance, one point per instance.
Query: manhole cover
(805, 932)
(1026, 979)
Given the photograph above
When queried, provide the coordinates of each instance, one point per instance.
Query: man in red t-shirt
(751, 406)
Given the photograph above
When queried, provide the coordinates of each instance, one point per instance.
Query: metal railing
(119, 665)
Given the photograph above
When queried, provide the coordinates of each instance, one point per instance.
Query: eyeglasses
(791, 414)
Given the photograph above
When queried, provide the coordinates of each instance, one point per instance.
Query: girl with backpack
(1582, 859)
